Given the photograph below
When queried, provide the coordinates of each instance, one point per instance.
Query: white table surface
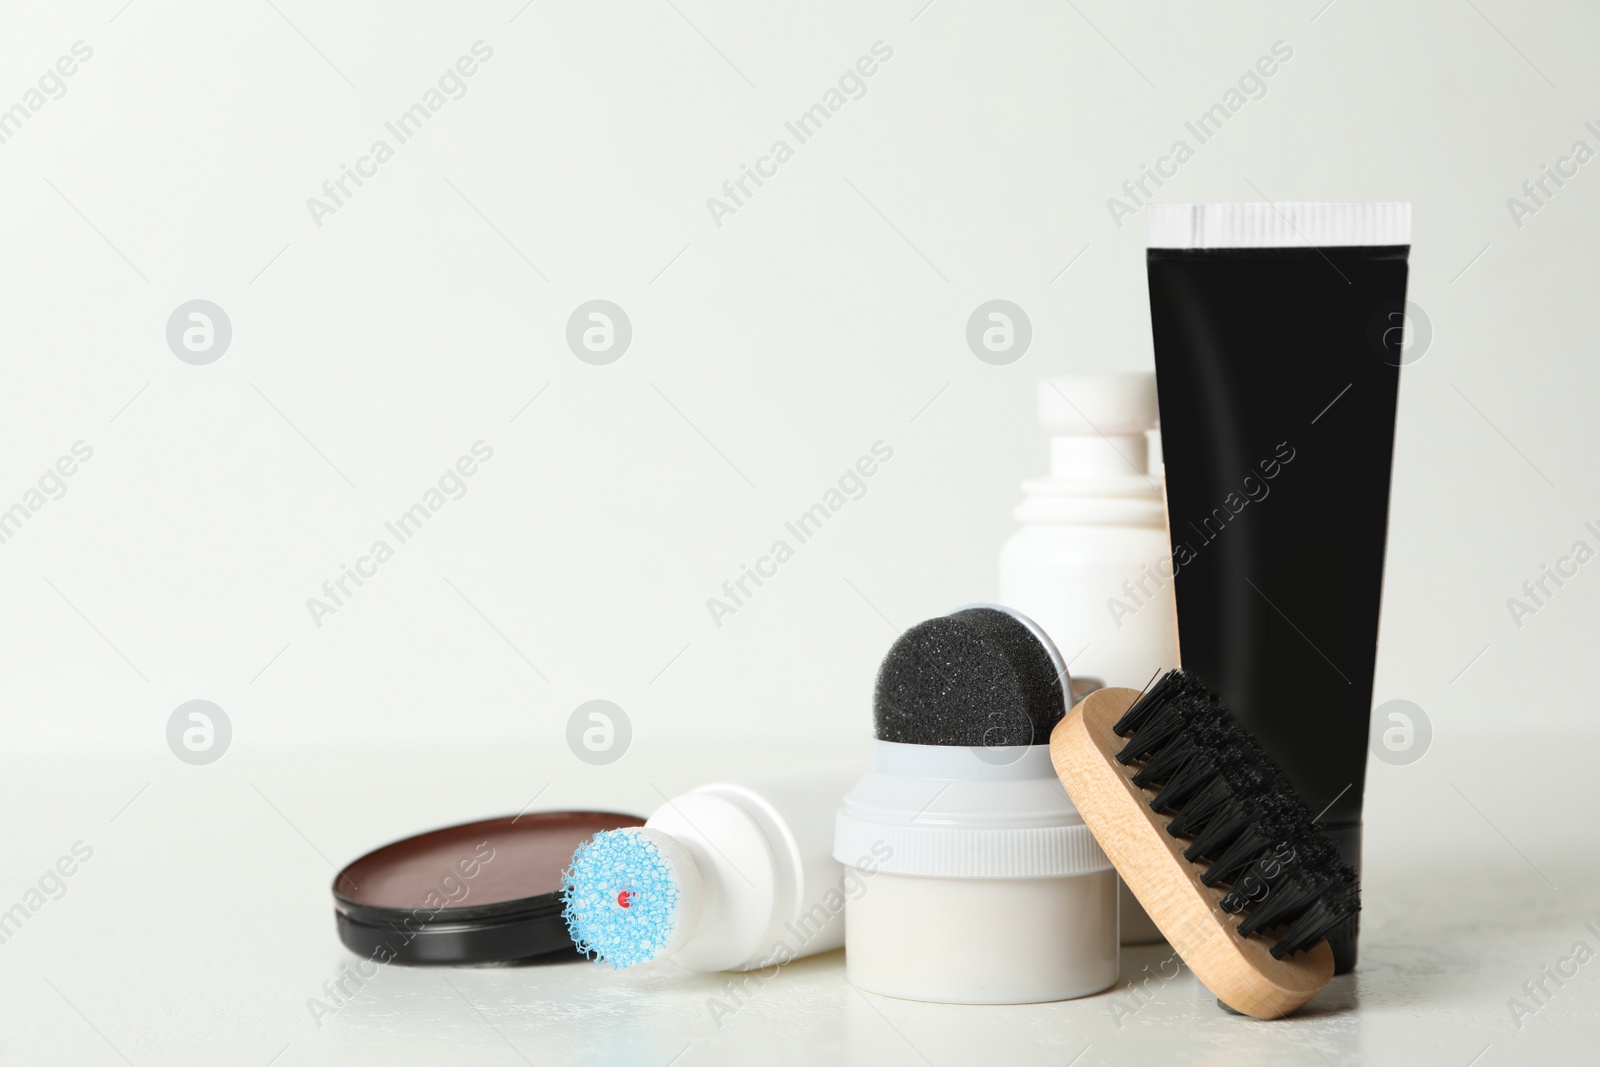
(201, 927)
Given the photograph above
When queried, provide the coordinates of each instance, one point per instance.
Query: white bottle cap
(1109, 402)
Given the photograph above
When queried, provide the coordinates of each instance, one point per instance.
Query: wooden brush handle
(1239, 970)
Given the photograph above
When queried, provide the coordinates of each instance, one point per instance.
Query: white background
(768, 354)
(793, 337)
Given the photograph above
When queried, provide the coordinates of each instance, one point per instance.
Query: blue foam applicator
(629, 896)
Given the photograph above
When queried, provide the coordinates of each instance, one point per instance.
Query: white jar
(979, 882)
(1092, 563)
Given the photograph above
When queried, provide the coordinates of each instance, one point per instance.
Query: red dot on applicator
(623, 898)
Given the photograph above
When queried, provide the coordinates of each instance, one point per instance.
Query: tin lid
(481, 892)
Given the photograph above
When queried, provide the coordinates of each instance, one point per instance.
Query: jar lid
(949, 811)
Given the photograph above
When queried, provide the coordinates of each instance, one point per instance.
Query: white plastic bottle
(1092, 563)
(730, 876)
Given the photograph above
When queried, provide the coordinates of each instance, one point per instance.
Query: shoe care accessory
(1279, 333)
(729, 877)
(1212, 839)
(481, 892)
(987, 888)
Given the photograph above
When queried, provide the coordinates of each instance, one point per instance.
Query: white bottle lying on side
(728, 877)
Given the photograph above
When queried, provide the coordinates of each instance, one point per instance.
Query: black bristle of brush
(1244, 822)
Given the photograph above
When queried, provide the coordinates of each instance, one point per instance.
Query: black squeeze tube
(1278, 374)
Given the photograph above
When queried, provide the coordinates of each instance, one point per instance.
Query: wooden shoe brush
(1211, 838)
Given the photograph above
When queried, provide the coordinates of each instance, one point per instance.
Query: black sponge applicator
(981, 676)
